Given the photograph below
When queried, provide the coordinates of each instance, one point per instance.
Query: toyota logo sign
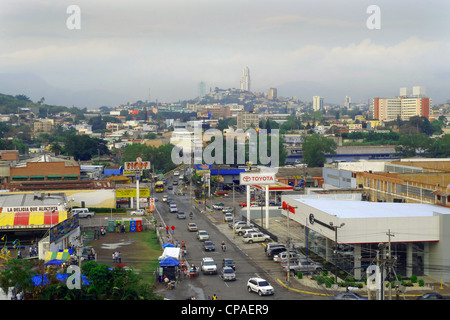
(256, 178)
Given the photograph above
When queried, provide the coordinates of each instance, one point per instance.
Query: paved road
(249, 258)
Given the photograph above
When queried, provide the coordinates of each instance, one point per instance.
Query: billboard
(136, 166)
(247, 178)
(131, 193)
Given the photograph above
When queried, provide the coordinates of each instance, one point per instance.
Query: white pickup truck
(256, 237)
(138, 212)
(83, 212)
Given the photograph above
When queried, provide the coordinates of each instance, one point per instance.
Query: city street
(249, 258)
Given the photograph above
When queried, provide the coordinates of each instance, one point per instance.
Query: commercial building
(247, 120)
(349, 233)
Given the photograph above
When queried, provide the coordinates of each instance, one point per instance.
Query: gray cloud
(125, 48)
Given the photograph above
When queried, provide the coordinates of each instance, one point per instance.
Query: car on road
(176, 173)
(297, 188)
(181, 215)
(192, 227)
(202, 235)
(165, 197)
(209, 246)
(256, 237)
(138, 212)
(208, 266)
(218, 206)
(227, 274)
(349, 295)
(227, 209)
(432, 296)
(169, 188)
(173, 208)
(260, 286)
(228, 262)
(175, 183)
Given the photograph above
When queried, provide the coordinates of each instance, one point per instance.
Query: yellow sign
(131, 193)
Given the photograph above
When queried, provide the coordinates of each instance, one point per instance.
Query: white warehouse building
(419, 234)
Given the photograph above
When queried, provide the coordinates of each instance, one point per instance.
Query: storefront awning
(20, 177)
(34, 218)
(54, 176)
(37, 177)
(60, 255)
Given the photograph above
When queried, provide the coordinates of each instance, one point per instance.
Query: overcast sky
(151, 49)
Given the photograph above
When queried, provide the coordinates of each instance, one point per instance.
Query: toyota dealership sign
(247, 178)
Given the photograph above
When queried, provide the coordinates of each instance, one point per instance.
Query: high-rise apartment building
(272, 94)
(317, 103)
(403, 106)
(245, 79)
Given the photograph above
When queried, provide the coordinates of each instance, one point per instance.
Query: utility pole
(389, 256)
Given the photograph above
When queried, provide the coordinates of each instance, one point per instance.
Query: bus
(159, 186)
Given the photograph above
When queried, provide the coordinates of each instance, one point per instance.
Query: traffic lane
(210, 284)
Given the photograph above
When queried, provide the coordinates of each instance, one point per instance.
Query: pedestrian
(119, 255)
(114, 257)
(214, 297)
(167, 229)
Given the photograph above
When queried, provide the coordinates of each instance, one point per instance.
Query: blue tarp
(42, 279)
(168, 244)
(54, 262)
(169, 262)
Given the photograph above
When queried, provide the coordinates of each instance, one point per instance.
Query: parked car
(284, 256)
(228, 262)
(259, 285)
(302, 265)
(240, 229)
(349, 295)
(228, 217)
(297, 188)
(218, 206)
(181, 215)
(202, 235)
(227, 210)
(274, 251)
(192, 226)
(228, 274)
(209, 246)
(83, 212)
(138, 212)
(256, 237)
(208, 266)
(273, 245)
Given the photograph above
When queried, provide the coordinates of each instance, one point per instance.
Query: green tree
(441, 147)
(84, 147)
(409, 145)
(17, 273)
(315, 147)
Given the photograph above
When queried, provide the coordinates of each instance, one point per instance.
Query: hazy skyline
(136, 50)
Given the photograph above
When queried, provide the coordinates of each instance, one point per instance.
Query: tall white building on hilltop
(317, 103)
(245, 79)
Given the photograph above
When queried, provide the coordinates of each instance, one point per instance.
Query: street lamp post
(335, 248)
